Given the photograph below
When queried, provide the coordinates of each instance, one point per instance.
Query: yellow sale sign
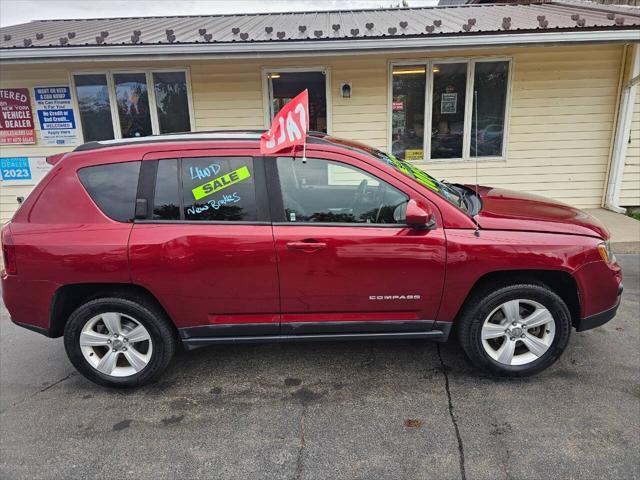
(221, 182)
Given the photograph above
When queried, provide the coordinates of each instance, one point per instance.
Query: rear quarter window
(113, 188)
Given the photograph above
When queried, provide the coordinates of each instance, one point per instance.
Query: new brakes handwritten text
(214, 204)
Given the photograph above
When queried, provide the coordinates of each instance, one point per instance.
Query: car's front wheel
(118, 342)
(515, 330)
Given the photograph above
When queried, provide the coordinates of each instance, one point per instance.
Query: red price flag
(289, 127)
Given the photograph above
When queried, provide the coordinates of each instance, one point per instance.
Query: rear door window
(166, 199)
(218, 189)
(113, 188)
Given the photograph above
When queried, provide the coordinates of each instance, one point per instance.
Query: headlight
(605, 252)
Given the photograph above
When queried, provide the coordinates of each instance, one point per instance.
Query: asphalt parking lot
(367, 410)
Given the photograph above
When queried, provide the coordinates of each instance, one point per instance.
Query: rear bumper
(34, 328)
(28, 303)
(593, 321)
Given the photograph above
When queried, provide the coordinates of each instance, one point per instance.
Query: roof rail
(172, 137)
(179, 137)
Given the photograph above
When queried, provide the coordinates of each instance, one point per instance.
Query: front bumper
(593, 321)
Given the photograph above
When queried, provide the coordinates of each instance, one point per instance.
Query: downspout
(622, 132)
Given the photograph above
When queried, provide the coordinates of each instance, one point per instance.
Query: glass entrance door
(283, 86)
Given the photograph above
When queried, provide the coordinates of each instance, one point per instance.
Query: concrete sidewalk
(625, 231)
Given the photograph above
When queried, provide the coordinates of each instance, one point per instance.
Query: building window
(491, 82)
(132, 104)
(92, 93)
(172, 101)
(407, 112)
(447, 117)
(452, 87)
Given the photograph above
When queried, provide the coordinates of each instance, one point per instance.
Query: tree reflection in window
(133, 104)
(95, 110)
(172, 102)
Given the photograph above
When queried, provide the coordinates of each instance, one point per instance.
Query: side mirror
(419, 217)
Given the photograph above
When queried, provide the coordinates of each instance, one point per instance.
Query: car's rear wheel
(118, 342)
(515, 330)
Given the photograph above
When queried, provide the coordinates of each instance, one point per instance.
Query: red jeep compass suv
(128, 247)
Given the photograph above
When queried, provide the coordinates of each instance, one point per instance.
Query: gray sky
(22, 11)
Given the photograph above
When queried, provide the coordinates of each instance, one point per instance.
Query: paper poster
(55, 115)
(16, 118)
(449, 103)
(23, 170)
(417, 154)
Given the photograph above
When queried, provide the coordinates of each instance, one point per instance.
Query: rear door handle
(306, 246)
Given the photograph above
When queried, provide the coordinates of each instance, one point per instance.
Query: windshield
(445, 190)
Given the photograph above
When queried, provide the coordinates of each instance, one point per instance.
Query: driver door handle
(307, 246)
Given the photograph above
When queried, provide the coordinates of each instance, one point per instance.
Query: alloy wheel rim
(518, 332)
(116, 344)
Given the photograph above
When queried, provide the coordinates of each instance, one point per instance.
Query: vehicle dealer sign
(23, 170)
(16, 118)
(55, 115)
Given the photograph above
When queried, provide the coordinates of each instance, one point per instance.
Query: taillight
(8, 252)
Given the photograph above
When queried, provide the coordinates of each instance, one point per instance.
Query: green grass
(635, 215)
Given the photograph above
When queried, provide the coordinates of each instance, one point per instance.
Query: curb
(625, 247)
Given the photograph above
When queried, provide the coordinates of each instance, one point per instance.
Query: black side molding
(378, 326)
(440, 333)
(229, 330)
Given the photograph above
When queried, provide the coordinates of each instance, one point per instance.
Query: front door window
(331, 192)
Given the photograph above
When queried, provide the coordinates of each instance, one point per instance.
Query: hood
(509, 210)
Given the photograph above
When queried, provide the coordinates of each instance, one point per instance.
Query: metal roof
(325, 26)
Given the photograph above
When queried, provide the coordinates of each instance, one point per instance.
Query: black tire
(482, 303)
(161, 334)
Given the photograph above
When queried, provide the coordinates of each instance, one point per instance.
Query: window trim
(267, 90)
(115, 117)
(428, 115)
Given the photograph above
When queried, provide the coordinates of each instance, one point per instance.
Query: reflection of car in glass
(489, 141)
(446, 145)
(408, 141)
(129, 248)
(490, 133)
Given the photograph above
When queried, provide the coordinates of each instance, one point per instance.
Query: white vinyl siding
(630, 190)
(559, 127)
